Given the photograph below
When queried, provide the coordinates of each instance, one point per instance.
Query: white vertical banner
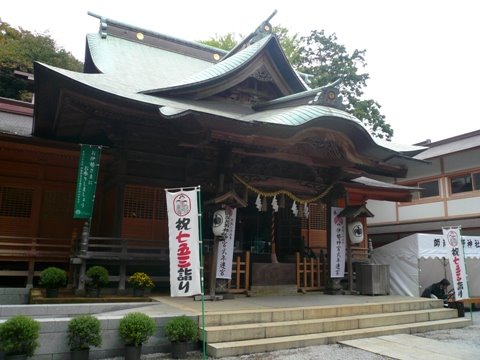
(338, 226)
(456, 259)
(183, 235)
(225, 247)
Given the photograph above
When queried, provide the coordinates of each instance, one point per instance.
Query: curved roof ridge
(194, 44)
(219, 70)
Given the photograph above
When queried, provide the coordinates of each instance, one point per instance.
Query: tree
(225, 42)
(322, 57)
(19, 49)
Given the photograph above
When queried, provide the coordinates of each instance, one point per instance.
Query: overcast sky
(423, 55)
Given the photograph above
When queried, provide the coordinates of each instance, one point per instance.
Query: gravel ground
(465, 336)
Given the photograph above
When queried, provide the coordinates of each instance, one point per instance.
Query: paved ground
(453, 343)
(454, 339)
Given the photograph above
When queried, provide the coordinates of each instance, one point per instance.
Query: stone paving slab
(409, 347)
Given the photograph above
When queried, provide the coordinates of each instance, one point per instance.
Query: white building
(450, 193)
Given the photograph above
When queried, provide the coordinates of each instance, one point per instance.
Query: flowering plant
(140, 280)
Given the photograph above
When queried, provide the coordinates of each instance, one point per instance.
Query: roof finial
(263, 29)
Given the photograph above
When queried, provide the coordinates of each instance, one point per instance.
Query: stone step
(237, 332)
(316, 312)
(235, 348)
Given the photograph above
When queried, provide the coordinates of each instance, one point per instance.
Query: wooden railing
(106, 248)
(309, 273)
(240, 282)
(14, 248)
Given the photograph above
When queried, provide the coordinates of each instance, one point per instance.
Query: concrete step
(316, 312)
(238, 332)
(235, 348)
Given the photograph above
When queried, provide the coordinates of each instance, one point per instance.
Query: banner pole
(199, 201)
(466, 273)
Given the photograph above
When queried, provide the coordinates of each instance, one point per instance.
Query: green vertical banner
(86, 181)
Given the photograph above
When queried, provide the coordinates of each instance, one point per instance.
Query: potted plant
(82, 333)
(18, 337)
(140, 281)
(52, 278)
(97, 277)
(135, 328)
(181, 330)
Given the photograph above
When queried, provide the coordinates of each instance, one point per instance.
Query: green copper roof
(222, 68)
(140, 66)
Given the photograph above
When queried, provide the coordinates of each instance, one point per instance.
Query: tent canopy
(419, 260)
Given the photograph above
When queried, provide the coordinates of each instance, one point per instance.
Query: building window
(429, 189)
(460, 184)
(476, 181)
(317, 219)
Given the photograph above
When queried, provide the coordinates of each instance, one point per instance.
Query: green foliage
(19, 49)
(225, 42)
(290, 44)
(97, 277)
(135, 328)
(53, 278)
(326, 60)
(140, 280)
(181, 329)
(83, 331)
(18, 335)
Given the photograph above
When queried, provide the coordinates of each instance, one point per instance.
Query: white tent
(419, 260)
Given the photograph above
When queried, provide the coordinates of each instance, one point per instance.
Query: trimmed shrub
(84, 331)
(53, 278)
(135, 328)
(19, 335)
(97, 277)
(181, 329)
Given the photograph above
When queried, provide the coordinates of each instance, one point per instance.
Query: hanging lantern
(275, 204)
(258, 203)
(218, 224)
(355, 231)
(295, 208)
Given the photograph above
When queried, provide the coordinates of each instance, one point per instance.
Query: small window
(461, 184)
(429, 189)
(476, 181)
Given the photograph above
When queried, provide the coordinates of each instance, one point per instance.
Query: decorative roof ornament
(262, 30)
(329, 95)
(265, 28)
(103, 27)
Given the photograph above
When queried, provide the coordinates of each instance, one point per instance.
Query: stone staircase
(253, 331)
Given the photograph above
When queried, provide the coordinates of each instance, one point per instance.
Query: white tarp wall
(419, 260)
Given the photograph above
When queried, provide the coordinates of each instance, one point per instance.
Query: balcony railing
(15, 248)
(109, 248)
